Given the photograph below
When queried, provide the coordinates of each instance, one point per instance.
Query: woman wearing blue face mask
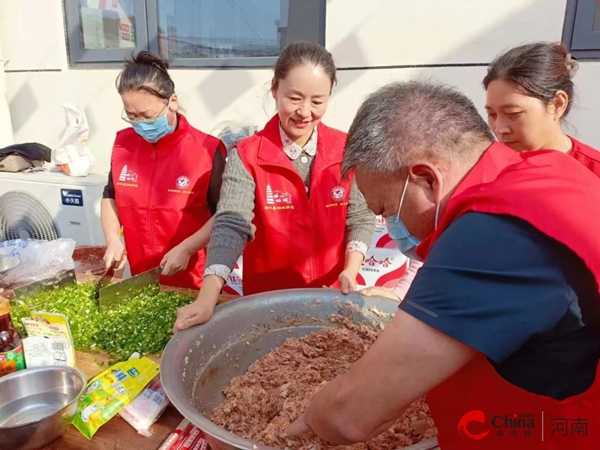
(164, 181)
(407, 244)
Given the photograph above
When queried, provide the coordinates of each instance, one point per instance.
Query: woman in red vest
(501, 327)
(284, 201)
(164, 181)
(529, 93)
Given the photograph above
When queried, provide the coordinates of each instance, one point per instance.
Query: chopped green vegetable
(143, 324)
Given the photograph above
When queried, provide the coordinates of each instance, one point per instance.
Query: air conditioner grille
(22, 216)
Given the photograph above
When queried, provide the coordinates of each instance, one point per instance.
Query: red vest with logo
(160, 192)
(476, 408)
(586, 155)
(300, 239)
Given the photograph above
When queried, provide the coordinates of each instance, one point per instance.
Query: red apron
(476, 408)
(160, 192)
(586, 155)
(300, 241)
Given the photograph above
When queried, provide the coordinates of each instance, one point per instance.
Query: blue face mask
(405, 241)
(153, 129)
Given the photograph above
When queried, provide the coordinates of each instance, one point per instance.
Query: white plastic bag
(38, 259)
(72, 155)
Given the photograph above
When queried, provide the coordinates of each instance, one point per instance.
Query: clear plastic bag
(146, 408)
(38, 259)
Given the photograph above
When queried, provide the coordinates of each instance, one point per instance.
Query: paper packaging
(384, 264)
(49, 341)
(174, 436)
(41, 351)
(194, 436)
(185, 437)
(72, 155)
(234, 280)
(182, 437)
(201, 444)
(146, 408)
(382, 267)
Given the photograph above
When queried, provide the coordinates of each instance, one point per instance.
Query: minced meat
(261, 404)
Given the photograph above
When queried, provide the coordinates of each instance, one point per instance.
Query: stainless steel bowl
(199, 363)
(37, 405)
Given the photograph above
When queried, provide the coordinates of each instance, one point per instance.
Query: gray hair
(405, 121)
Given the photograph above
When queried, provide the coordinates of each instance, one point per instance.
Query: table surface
(117, 434)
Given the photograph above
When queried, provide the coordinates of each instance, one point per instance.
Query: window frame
(578, 35)
(147, 39)
(80, 55)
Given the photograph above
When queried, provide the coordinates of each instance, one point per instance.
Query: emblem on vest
(127, 177)
(182, 184)
(278, 199)
(338, 194)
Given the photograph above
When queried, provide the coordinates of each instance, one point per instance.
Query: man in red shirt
(502, 321)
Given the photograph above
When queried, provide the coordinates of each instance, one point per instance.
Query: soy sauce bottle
(12, 358)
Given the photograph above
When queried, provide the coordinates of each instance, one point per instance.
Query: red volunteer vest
(586, 155)
(160, 191)
(300, 240)
(476, 408)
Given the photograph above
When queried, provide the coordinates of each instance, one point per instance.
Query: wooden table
(117, 434)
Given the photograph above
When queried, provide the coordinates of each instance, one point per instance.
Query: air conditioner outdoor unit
(51, 205)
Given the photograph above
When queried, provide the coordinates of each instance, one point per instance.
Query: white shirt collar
(293, 150)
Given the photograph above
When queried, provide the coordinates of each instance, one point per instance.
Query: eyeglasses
(148, 121)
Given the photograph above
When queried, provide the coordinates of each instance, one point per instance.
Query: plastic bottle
(12, 357)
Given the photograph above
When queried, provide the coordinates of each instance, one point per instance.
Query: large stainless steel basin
(199, 363)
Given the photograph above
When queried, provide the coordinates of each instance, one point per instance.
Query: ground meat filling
(261, 404)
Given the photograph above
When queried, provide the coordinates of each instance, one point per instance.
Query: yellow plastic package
(110, 391)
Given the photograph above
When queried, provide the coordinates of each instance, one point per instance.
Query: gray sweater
(233, 228)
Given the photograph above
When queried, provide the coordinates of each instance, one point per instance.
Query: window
(201, 33)
(105, 30)
(582, 28)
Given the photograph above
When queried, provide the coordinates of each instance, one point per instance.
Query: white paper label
(46, 351)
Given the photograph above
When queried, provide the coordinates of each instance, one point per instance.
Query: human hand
(176, 260)
(195, 313)
(115, 254)
(299, 427)
(347, 281)
(379, 291)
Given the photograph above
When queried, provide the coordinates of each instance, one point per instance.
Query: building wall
(372, 42)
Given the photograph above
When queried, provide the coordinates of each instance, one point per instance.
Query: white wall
(373, 43)
(6, 134)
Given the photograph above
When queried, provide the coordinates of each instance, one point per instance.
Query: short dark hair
(405, 121)
(146, 72)
(300, 53)
(540, 69)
